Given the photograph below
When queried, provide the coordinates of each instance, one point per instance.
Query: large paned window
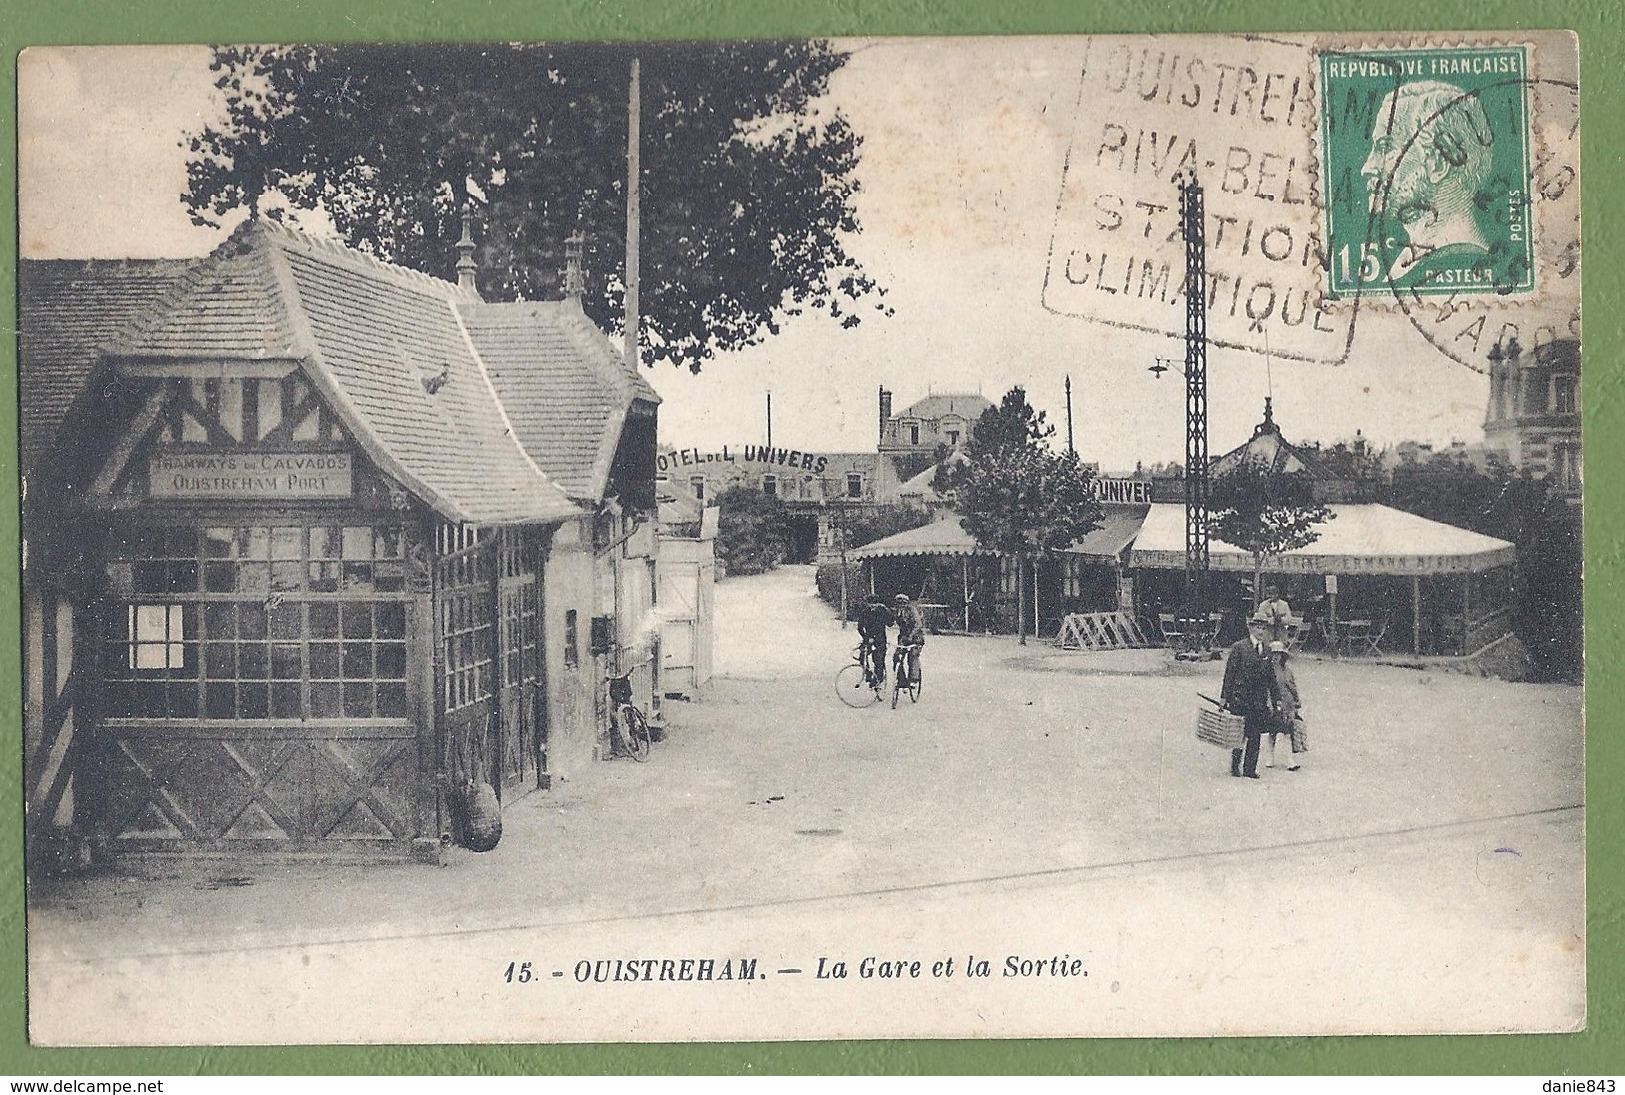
(521, 626)
(466, 595)
(261, 622)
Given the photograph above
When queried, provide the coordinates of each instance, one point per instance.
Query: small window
(913, 433)
(953, 437)
(1567, 466)
(854, 485)
(157, 637)
(572, 640)
(1566, 390)
(770, 485)
(697, 485)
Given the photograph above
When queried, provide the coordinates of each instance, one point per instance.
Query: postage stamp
(1425, 158)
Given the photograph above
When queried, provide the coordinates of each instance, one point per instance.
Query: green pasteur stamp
(1425, 167)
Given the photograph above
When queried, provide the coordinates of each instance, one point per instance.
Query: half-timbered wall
(256, 616)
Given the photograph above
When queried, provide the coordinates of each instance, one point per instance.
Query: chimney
(575, 282)
(885, 412)
(466, 269)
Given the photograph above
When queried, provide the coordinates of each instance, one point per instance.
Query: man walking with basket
(1250, 690)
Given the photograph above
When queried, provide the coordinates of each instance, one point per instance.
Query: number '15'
(517, 971)
(1368, 265)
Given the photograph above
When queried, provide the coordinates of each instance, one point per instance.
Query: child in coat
(1291, 714)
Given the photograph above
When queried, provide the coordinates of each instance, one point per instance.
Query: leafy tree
(1012, 426)
(746, 181)
(1264, 513)
(1354, 462)
(1017, 497)
(752, 532)
(1548, 612)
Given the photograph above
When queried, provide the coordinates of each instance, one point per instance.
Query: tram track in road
(990, 882)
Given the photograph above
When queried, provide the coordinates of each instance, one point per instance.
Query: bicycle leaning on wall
(628, 725)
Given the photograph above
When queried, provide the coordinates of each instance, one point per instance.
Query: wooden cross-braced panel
(288, 790)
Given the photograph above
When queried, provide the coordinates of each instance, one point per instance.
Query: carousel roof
(1361, 538)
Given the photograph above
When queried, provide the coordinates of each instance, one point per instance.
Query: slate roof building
(1533, 417)
(315, 542)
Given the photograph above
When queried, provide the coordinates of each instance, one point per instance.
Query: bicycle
(857, 684)
(629, 727)
(900, 674)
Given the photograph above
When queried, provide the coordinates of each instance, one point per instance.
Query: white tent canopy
(942, 537)
(1363, 538)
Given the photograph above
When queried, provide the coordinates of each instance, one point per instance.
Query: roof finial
(575, 281)
(1268, 425)
(466, 268)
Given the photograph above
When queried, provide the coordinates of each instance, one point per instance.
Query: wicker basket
(1220, 728)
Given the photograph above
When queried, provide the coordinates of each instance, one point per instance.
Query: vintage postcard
(777, 540)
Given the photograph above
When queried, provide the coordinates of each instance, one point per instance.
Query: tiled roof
(226, 308)
(368, 335)
(379, 332)
(529, 414)
(565, 388)
(967, 406)
(67, 309)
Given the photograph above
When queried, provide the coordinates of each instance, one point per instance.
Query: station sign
(258, 476)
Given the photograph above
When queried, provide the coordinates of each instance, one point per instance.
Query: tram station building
(312, 541)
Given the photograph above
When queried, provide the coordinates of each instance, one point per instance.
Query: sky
(964, 143)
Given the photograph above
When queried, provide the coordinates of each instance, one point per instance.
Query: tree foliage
(1011, 427)
(752, 531)
(1017, 497)
(1264, 513)
(747, 178)
(1548, 611)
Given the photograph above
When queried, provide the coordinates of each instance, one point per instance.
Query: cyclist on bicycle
(910, 632)
(873, 619)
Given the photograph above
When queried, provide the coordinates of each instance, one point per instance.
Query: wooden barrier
(1101, 631)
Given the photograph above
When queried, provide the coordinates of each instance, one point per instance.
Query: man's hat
(901, 598)
(1259, 618)
(1277, 648)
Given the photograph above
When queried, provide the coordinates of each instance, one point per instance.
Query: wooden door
(520, 667)
(466, 625)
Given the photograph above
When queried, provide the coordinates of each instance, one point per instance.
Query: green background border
(1602, 48)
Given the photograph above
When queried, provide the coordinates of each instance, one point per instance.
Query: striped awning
(942, 537)
(1119, 527)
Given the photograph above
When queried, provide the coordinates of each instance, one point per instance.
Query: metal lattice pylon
(1193, 227)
